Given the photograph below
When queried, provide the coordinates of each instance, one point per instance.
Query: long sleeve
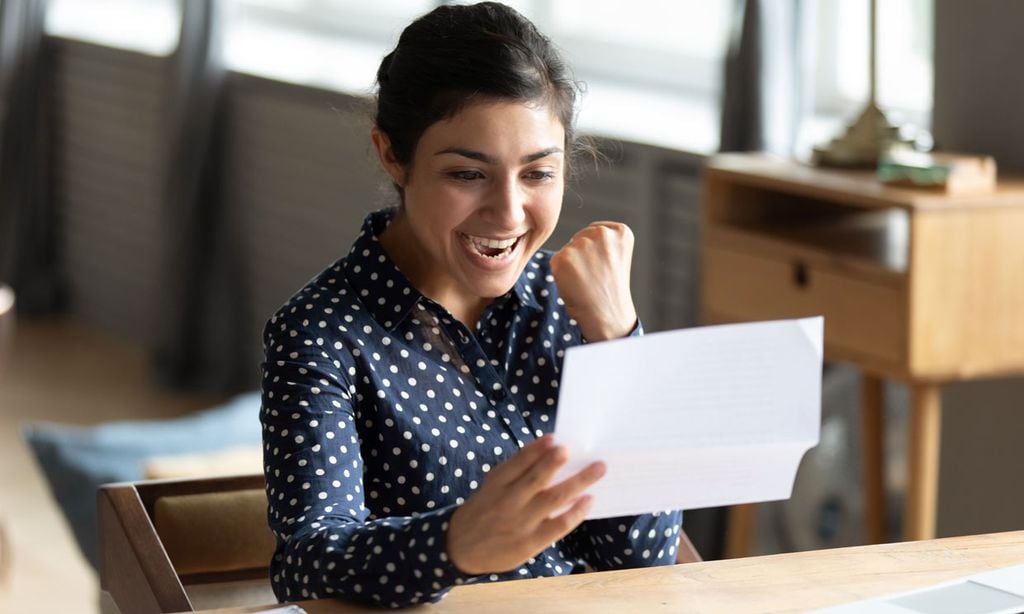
(629, 541)
(327, 542)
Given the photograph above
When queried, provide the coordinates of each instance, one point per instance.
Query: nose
(506, 208)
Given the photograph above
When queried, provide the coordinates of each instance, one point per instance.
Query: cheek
(437, 223)
(548, 213)
(432, 209)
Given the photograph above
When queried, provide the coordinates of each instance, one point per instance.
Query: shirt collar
(386, 292)
(523, 290)
(380, 286)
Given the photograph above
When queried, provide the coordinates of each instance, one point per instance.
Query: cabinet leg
(739, 533)
(873, 436)
(923, 462)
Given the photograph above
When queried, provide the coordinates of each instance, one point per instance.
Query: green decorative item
(948, 172)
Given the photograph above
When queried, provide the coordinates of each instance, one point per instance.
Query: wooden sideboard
(915, 285)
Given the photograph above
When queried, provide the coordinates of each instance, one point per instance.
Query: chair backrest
(183, 545)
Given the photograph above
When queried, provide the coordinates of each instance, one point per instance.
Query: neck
(402, 247)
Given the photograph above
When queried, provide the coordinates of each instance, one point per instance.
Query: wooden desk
(915, 286)
(778, 583)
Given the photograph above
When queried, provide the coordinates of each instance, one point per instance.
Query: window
(836, 41)
(652, 67)
(148, 26)
(647, 58)
(670, 45)
(330, 43)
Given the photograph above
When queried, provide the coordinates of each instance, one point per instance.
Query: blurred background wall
(296, 179)
(977, 108)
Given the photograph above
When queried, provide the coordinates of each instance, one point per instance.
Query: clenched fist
(592, 275)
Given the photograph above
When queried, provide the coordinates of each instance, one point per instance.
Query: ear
(391, 166)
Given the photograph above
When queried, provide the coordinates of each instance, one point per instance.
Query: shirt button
(498, 394)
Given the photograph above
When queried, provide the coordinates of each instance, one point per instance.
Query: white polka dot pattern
(382, 413)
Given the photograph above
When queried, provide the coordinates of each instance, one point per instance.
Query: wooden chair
(185, 545)
(686, 552)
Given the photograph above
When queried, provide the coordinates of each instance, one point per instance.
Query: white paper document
(693, 418)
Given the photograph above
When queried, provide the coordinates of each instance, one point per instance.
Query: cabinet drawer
(864, 318)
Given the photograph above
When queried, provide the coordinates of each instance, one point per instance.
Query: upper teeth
(493, 243)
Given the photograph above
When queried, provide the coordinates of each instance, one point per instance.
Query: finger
(602, 226)
(522, 461)
(557, 527)
(618, 231)
(531, 482)
(585, 233)
(555, 497)
(601, 233)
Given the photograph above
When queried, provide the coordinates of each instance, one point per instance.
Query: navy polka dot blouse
(382, 413)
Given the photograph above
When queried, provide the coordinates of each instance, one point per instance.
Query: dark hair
(458, 54)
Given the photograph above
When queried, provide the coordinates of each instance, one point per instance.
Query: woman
(409, 387)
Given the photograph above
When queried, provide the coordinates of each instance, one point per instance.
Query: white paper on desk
(693, 418)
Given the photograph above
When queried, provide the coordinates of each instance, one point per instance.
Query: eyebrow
(488, 159)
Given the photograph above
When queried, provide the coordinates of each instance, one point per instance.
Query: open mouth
(495, 249)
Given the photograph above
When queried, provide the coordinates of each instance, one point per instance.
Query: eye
(540, 175)
(467, 175)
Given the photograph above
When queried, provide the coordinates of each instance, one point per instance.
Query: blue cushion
(77, 460)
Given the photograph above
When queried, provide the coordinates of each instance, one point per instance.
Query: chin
(493, 284)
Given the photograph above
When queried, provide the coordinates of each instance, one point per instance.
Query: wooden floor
(63, 372)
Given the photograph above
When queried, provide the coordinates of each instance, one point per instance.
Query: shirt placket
(493, 387)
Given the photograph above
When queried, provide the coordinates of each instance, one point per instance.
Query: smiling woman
(410, 389)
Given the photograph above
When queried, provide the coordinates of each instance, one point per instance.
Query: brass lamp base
(866, 140)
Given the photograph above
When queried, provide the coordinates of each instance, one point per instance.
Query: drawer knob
(801, 276)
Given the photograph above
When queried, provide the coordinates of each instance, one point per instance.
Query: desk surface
(778, 583)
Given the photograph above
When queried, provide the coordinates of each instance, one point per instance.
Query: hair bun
(384, 71)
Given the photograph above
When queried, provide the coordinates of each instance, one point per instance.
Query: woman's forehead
(505, 126)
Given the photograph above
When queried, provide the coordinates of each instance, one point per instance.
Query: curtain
(29, 254)
(203, 340)
(761, 105)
